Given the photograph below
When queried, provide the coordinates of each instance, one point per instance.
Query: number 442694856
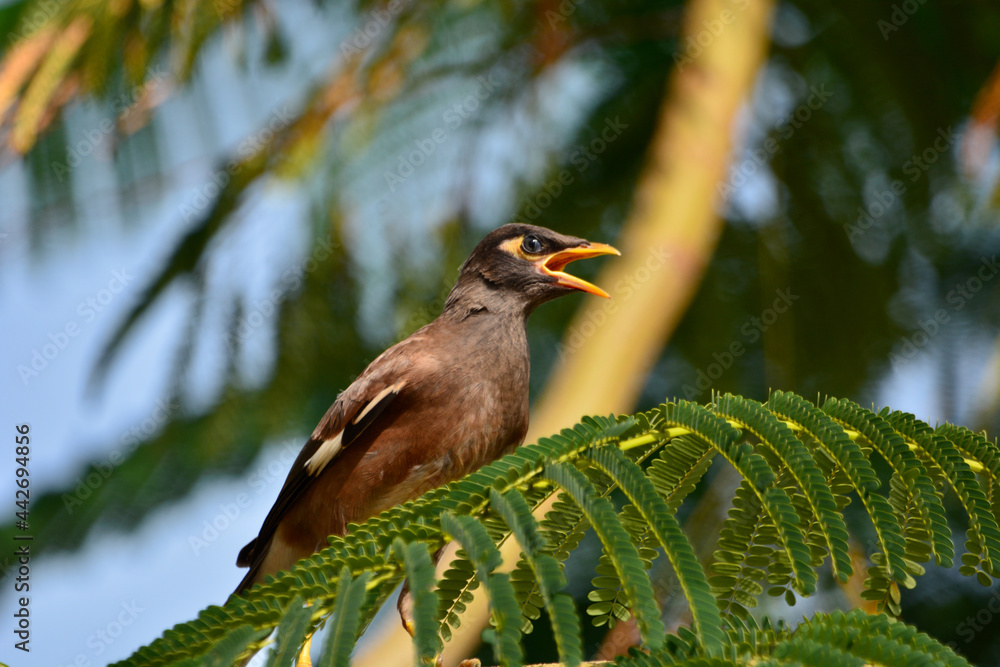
(22, 451)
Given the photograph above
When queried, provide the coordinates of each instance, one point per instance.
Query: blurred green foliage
(845, 108)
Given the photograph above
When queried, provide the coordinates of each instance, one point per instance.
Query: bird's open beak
(554, 264)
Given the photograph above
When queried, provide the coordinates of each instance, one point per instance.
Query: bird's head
(523, 265)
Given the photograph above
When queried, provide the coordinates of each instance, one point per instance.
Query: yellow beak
(554, 264)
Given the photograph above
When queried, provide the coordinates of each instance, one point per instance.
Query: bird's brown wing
(353, 412)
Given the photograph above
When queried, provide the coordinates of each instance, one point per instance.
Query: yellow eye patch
(513, 246)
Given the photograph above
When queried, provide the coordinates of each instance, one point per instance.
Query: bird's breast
(465, 404)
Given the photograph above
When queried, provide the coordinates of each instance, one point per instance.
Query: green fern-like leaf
(224, 652)
(759, 475)
(800, 464)
(548, 574)
(799, 467)
(455, 592)
(641, 492)
(854, 639)
(562, 529)
(891, 446)
(876, 639)
(984, 535)
(913, 498)
(484, 555)
(851, 459)
(343, 633)
(291, 634)
(679, 466)
(628, 564)
(420, 576)
(744, 553)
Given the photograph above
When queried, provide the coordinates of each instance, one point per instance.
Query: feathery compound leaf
(505, 635)
(420, 575)
(291, 634)
(855, 639)
(607, 596)
(660, 659)
(800, 464)
(617, 545)
(679, 466)
(548, 574)
(564, 525)
(744, 553)
(766, 539)
(630, 479)
(984, 534)
(455, 592)
(720, 434)
(876, 639)
(803, 651)
(978, 449)
(752, 466)
(342, 635)
(973, 446)
(830, 435)
(226, 651)
(852, 460)
(562, 529)
(758, 473)
(476, 542)
(514, 510)
(931, 519)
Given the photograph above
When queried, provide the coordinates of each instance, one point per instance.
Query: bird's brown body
(410, 453)
(435, 407)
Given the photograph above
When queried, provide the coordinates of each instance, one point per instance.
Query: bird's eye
(531, 245)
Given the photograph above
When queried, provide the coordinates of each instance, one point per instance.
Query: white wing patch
(393, 389)
(331, 447)
(325, 453)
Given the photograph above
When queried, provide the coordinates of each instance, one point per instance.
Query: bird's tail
(248, 558)
(245, 557)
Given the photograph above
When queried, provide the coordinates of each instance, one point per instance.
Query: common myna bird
(430, 409)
